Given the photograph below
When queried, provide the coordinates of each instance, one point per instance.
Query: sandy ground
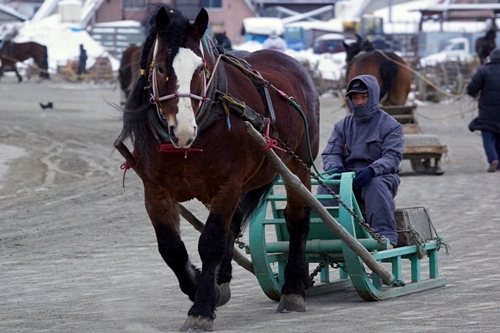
(78, 254)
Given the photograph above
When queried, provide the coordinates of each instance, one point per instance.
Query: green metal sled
(325, 250)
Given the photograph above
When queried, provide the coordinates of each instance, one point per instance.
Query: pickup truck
(457, 49)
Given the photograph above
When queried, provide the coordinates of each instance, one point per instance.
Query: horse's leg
(296, 274)
(2, 67)
(165, 219)
(212, 248)
(19, 78)
(225, 273)
(248, 203)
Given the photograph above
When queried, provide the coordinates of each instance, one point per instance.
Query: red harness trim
(271, 143)
(170, 148)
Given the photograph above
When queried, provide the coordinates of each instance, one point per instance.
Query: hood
(367, 111)
(495, 55)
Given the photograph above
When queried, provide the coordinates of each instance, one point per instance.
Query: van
(329, 43)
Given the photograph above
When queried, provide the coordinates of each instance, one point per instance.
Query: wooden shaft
(198, 225)
(239, 258)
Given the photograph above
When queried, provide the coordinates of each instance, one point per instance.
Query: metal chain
(322, 264)
(241, 244)
(379, 238)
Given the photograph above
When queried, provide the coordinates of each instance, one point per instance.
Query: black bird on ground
(49, 105)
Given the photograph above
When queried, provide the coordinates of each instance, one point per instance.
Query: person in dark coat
(370, 143)
(82, 61)
(486, 83)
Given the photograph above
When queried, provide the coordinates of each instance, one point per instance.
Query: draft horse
(486, 44)
(186, 118)
(11, 53)
(391, 71)
(129, 71)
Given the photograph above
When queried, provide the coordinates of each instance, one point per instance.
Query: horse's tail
(388, 71)
(252, 201)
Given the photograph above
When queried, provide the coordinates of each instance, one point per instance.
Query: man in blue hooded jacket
(368, 142)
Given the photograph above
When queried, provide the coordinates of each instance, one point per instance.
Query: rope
(440, 241)
(419, 241)
(419, 75)
(472, 107)
(125, 166)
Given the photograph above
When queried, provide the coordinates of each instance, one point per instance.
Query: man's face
(359, 99)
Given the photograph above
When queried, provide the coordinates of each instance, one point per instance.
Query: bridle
(155, 96)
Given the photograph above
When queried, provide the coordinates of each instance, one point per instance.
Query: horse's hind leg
(248, 204)
(293, 291)
(19, 77)
(165, 219)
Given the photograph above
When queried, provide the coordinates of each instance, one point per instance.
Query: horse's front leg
(211, 247)
(164, 216)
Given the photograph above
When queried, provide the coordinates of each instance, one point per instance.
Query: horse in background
(11, 53)
(129, 71)
(223, 41)
(187, 120)
(486, 44)
(392, 72)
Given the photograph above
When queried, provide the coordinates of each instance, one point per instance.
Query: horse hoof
(292, 303)
(224, 294)
(197, 324)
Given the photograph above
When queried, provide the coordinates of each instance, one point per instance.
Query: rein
(226, 101)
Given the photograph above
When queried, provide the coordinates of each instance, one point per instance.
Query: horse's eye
(200, 68)
(161, 69)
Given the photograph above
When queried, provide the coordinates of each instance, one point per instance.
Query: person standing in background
(486, 83)
(275, 42)
(82, 61)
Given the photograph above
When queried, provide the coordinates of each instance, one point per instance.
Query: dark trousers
(378, 198)
(491, 144)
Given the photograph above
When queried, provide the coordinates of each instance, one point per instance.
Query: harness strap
(257, 79)
(239, 108)
(262, 85)
(208, 113)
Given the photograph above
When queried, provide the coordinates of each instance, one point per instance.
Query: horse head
(177, 73)
(352, 49)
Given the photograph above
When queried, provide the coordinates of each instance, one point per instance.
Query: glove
(336, 170)
(363, 177)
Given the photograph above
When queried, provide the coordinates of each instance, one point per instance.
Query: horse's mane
(360, 45)
(135, 111)
(367, 46)
(490, 34)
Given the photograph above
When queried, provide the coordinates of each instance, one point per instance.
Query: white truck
(457, 49)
